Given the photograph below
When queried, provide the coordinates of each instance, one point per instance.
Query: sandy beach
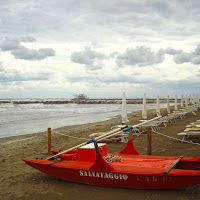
(19, 181)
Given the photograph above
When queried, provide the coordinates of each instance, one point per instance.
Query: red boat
(91, 164)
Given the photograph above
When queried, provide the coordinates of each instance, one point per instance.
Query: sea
(19, 119)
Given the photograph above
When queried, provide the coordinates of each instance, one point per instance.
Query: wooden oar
(102, 137)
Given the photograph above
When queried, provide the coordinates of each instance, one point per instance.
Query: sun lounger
(191, 109)
(180, 114)
(195, 122)
(162, 121)
(192, 129)
(154, 126)
(192, 125)
(187, 135)
(123, 137)
(119, 137)
(171, 118)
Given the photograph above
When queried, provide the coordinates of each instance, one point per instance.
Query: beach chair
(179, 114)
(161, 122)
(123, 137)
(170, 118)
(189, 132)
(156, 123)
(187, 135)
(192, 129)
(152, 125)
(118, 138)
(193, 125)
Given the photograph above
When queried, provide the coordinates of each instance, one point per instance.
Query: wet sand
(19, 181)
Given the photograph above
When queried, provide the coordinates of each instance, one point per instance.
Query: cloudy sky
(57, 48)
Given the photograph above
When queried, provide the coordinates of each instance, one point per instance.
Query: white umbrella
(190, 101)
(186, 101)
(193, 99)
(168, 106)
(158, 107)
(175, 105)
(182, 101)
(144, 109)
(124, 109)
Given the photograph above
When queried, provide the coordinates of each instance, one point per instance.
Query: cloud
(69, 26)
(1, 67)
(172, 51)
(27, 39)
(13, 75)
(16, 76)
(116, 78)
(192, 57)
(141, 56)
(90, 58)
(114, 54)
(32, 54)
(111, 78)
(9, 44)
(21, 52)
(144, 56)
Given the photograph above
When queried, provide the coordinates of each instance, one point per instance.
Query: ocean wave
(27, 118)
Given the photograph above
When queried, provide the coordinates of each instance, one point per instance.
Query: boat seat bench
(173, 165)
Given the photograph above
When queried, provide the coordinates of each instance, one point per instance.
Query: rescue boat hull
(92, 165)
(114, 178)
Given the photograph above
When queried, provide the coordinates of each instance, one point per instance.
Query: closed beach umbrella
(158, 107)
(124, 109)
(182, 101)
(144, 109)
(186, 101)
(193, 99)
(168, 106)
(175, 105)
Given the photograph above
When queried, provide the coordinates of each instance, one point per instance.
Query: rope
(124, 139)
(80, 138)
(190, 142)
(19, 140)
(112, 158)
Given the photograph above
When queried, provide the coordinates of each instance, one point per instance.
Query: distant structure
(80, 98)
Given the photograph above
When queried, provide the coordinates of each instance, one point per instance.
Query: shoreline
(100, 126)
(29, 119)
(116, 120)
(19, 181)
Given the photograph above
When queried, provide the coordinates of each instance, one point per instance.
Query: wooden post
(49, 140)
(149, 140)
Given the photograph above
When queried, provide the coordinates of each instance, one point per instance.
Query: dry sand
(19, 181)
